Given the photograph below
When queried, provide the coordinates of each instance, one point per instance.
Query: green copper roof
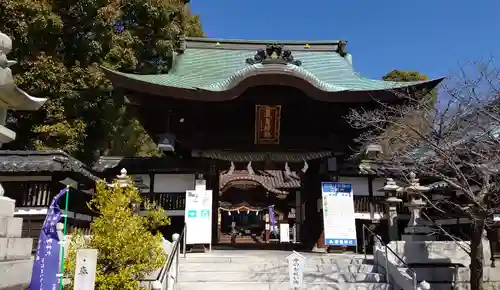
(217, 66)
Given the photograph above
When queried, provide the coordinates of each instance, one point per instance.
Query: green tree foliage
(404, 76)
(127, 250)
(409, 76)
(60, 46)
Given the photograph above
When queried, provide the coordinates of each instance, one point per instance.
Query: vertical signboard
(284, 233)
(296, 267)
(85, 270)
(267, 124)
(338, 214)
(198, 216)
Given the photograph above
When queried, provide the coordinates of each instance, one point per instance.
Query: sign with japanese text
(296, 266)
(267, 124)
(284, 233)
(338, 214)
(86, 264)
(46, 264)
(198, 216)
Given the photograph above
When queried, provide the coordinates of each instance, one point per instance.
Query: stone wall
(15, 252)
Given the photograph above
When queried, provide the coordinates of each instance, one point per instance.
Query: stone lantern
(122, 180)
(391, 190)
(418, 228)
(14, 273)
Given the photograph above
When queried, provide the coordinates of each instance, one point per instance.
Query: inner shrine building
(263, 123)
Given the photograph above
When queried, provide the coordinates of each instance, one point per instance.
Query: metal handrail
(174, 254)
(386, 248)
(170, 259)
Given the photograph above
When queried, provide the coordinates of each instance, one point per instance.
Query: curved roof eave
(16, 99)
(231, 87)
(229, 183)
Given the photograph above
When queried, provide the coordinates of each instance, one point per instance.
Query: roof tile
(221, 69)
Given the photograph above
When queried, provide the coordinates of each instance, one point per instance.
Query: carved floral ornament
(274, 53)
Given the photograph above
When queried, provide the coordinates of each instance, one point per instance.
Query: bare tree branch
(456, 141)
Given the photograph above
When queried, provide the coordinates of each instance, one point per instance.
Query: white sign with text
(86, 263)
(296, 267)
(338, 214)
(284, 233)
(198, 216)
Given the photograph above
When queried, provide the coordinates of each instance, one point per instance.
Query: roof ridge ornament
(306, 166)
(273, 54)
(250, 169)
(231, 168)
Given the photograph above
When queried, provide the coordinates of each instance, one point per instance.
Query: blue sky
(429, 36)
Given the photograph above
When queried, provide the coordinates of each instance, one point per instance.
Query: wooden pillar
(371, 197)
(213, 184)
(310, 194)
(151, 184)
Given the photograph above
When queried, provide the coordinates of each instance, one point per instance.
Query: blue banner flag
(46, 265)
(272, 220)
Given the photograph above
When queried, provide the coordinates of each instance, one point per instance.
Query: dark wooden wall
(306, 124)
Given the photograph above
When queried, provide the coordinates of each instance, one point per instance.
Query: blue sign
(46, 265)
(192, 213)
(336, 189)
(340, 242)
(205, 213)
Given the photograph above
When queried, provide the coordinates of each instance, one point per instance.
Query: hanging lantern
(229, 213)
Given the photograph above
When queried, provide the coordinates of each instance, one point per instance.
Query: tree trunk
(477, 256)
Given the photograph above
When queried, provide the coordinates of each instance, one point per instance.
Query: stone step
(463, 286)
(10, 227)
(309, 277)
(442, 274)
(270, 268)
(316, 259)
(279, 286)
(15, 248)
(18, 273)
(7, 206)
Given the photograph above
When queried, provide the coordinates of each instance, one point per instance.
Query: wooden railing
(29, 194)
(177, 201)
(40, 195)
(168, 201)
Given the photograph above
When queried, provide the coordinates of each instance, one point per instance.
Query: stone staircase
(226, 239)
(268, 270)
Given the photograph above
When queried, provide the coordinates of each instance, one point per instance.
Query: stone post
(391, 189)
(418, 228)
(15, 252)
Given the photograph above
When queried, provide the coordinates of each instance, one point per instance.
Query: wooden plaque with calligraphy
(267, 124)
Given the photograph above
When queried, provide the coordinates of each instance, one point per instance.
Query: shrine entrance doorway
(253, 205)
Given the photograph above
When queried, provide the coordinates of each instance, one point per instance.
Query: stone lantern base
(16, 262)
(418, 234)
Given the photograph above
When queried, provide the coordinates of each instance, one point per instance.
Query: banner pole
(64, 237)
